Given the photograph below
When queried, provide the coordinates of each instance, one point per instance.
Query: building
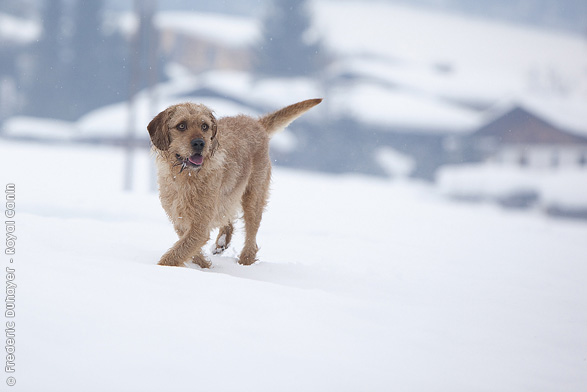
(204, 41)
(520, 137)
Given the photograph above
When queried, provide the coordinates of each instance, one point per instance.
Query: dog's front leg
(188, 247)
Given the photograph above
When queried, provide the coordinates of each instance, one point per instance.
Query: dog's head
(187, 133)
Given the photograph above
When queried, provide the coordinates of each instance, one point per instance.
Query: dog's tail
(278, 120)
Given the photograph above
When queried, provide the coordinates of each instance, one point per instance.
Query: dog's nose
(198, 144)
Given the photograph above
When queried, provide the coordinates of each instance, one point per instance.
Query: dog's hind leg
(254, 202)
(223, 239)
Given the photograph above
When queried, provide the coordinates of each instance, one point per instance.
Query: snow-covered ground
(363, 284)
(563, 189)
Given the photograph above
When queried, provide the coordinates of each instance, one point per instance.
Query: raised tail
(278, 120)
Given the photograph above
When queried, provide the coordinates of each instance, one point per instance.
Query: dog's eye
(181, 126)
(204, 127)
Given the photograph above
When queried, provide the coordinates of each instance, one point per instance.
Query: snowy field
(564, 188)
(363, 285)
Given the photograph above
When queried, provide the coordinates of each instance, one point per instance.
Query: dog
(210, 171)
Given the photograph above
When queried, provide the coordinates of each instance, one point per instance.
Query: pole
(134, 80)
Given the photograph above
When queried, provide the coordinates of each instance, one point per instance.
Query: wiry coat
(210, 171)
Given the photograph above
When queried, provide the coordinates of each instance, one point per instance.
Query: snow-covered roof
(457, 58)
(423, 36)
(566, 116)
(18, 30)
(236, 31)
(400, 110)
(400, 67)
(234, 93)
(230, 30)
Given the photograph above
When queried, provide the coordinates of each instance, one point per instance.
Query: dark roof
(519, 126)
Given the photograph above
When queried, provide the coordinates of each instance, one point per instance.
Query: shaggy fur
(210, 171)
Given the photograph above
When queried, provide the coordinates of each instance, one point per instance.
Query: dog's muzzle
(194, 161)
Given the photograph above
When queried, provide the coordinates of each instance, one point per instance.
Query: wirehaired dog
(209, 171)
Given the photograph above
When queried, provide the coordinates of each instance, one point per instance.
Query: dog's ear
(159, 132)
(213, 138)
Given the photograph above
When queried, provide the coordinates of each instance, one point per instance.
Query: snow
(423, 36)
(565, 187)
(412, 69)
(363, 284)
(400, 110)
(285, 141)
(394, 162)
(113, 120)
(238, 93)
(229, 30)
(18, 30)
(567, 115)
(431, 55)
(22, 126)
(273, 92)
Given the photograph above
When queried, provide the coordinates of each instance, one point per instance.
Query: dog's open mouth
(194, 161)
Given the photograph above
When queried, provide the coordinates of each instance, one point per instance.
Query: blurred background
(485, 101)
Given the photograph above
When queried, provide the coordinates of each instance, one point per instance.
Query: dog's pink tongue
(196, 159)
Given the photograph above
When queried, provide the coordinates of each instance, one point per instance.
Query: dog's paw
(218, 250)
(166, 261)
(223, 240)
(201, 261)
(247, 258)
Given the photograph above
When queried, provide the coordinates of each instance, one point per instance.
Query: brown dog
(209, 171)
